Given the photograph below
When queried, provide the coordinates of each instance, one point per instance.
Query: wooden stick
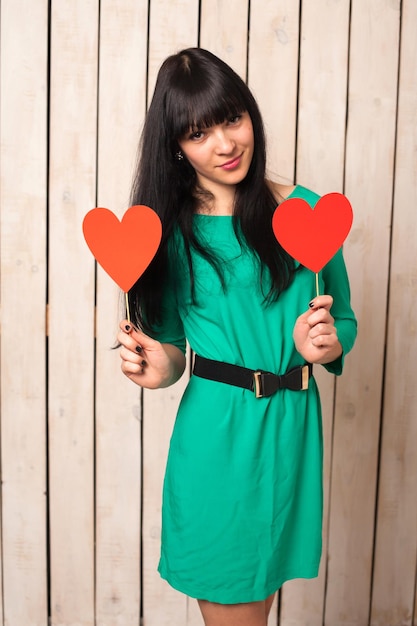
(127, 305)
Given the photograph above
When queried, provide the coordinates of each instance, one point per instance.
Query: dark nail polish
(138, 349)
(127, 328)
(311, 304)
(143, 363)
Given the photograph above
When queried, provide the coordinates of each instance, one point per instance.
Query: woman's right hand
(148, 362)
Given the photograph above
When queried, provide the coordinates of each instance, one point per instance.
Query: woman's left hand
(315, 334)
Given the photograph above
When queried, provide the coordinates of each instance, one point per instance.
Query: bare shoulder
(280, 192)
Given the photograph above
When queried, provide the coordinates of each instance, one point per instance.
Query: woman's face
(221, 155)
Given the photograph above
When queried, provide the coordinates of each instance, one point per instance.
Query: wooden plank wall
(82, 450)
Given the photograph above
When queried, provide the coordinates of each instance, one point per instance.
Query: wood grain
(122, 101)
(72, 191)
(273, 76)
(369, 178)
(224, 31)
(396, 537)
(23, 195)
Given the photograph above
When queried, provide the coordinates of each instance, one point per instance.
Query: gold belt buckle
(304, 377)
(257, 385)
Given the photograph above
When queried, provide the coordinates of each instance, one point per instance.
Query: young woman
(242, 501)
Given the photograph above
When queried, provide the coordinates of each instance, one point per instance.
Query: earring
(179, 156)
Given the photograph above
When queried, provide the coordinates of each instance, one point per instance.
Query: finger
(126, 326)
(320, 316)
(132, 353)
(130, 368)
(141, 339)
(322, 341)
(321, 329)
(129, 343)
(126, 337)
(126, 354)
(321, 302)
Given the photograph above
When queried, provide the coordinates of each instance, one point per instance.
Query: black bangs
(197, 100)
(200, 110)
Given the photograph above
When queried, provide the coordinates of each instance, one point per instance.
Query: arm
(148, 362)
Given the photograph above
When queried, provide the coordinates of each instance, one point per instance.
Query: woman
(242, 501)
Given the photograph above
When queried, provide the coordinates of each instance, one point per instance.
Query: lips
(232, 164)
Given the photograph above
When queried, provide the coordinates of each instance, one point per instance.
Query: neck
(216, 202)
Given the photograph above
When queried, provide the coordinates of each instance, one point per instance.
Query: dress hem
(252, 595)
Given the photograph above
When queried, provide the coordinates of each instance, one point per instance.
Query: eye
(196, 135)
(234, 119)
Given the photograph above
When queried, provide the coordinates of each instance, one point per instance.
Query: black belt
(262, 383)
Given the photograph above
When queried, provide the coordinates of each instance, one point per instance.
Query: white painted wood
(369, 181)
(122, 100)
(396, 538)
(194, 616)
(320, 166)
(273, 78)
(23, 163)
(224, 31)
(322, 94)
(273, 615)
(73, 120)
(173, 26)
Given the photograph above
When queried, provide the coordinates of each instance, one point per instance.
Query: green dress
(242, 497)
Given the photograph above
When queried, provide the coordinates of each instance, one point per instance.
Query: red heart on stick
(125, 248)
(313, 236)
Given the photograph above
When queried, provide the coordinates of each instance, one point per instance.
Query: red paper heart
(123, 248)
(313, 236)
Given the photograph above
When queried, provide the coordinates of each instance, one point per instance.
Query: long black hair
(196, 90)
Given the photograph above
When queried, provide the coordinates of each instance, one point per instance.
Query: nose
(225, 144)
